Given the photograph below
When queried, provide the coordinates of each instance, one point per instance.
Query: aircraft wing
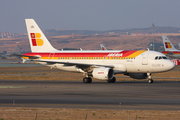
(79, 65)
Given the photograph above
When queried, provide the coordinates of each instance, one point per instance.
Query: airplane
(103, 47)
(99, 64)
(170, 50)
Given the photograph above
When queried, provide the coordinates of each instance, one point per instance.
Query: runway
(97, 95)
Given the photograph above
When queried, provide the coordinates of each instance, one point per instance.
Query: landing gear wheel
(113, 80)
(87, 80)
(150, 81)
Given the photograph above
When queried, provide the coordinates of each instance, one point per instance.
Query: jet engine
(138, 75)
(103, 73)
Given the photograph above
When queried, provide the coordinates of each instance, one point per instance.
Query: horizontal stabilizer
(30, 57)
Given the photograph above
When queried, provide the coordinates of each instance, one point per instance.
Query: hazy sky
(88, 14)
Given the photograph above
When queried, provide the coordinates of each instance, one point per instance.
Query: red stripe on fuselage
(174, 52)
(84, 54)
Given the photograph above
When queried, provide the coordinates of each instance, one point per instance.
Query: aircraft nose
(171, 65)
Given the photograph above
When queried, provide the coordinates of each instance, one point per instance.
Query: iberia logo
(36, 39)
(168, 45)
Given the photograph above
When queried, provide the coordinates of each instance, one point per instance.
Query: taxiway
(97, 95)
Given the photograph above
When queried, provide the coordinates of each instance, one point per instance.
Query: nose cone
(170, 65)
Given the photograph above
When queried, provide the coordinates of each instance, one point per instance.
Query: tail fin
(38, 41)
(168, 46)
(103, 47)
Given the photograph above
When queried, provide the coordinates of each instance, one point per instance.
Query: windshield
(160, 57)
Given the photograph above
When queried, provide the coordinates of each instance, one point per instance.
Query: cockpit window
(164, 57)
(160, 57)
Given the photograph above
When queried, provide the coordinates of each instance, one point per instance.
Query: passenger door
(145, 58)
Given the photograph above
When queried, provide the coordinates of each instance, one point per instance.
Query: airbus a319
(102, 65)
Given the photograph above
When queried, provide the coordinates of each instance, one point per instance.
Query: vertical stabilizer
(168, 46)
(103, 47)
(37, 39)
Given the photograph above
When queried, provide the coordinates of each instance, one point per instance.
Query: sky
(88, 14)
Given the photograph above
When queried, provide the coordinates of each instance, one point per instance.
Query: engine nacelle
(103, 73)
(138, 75)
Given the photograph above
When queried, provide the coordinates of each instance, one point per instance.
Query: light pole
(153, 34)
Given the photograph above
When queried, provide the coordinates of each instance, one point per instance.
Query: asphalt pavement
(96, 95)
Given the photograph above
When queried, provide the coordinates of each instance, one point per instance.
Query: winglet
(168, 46)
(37, 39)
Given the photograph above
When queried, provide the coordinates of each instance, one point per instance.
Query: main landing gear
(150, 80)
(87, 80)
(113, 80)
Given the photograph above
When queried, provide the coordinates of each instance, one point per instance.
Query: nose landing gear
(150, 80)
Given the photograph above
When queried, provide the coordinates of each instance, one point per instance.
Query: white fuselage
(143, 63)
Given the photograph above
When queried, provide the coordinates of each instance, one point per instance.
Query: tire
(113, 80)
(150, 81)
(87, 80)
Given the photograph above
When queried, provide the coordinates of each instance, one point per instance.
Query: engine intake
(103, 73)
